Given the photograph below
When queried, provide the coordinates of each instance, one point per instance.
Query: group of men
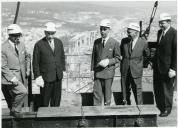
(49, 65)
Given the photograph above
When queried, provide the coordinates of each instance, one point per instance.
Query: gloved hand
(39, 81)
(171, 73)
(104, 63)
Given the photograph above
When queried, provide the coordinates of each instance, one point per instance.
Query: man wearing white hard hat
(105, 55)
(165, 64)
(133, 49)
(48, 66)
(15, 68)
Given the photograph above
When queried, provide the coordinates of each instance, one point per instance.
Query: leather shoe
(164, 113)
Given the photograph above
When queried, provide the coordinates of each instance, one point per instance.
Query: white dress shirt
(106, 39)
(134, 42)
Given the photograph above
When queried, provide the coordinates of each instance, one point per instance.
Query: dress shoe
(164, 113)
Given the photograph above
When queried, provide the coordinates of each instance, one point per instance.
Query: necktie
(15, 46)
(130, 46)
(103, 43)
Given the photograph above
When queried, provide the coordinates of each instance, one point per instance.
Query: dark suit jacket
(48, 63)
(166, 51)
(14, 65)
(111, 51)
(133, 60)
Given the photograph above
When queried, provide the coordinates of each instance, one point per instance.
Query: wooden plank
(63, 111)
(110, 110)
(25, 113)
(148, 110)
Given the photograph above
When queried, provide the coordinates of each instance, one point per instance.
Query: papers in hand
(35, 88)
(104, 63)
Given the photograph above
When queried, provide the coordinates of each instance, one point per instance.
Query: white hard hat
(14, 29)
(164, 16)
(106, 23)
(134, 26)
(50, 26)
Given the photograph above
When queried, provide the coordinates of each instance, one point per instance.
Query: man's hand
(152, 52)
(104, 63)
(15, 80)
(171, 73)
(39, 81)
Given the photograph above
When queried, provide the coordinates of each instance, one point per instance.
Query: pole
(147, 31)
(17, 12)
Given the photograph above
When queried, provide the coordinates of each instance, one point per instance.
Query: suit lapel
(55, 45)
(107, 44)
(136, 46)
(165, 36)
(10, 47)
(100, 47)
(128, 47)
(106, 47)
(47, 45)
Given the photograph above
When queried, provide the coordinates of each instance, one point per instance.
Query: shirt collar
(106, 39)
(135, 40)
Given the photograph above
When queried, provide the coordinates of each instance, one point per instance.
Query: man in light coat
(133, 49)
(105, 55)
(15, 68)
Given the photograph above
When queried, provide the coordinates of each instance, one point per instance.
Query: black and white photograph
(86, 63)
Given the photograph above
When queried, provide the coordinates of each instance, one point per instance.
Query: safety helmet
(50, 26)
(105, 23)
(14, 29)
(164, 16)
(134, 26)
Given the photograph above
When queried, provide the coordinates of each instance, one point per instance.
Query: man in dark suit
(15, 68)
(105, 55)
(48, 66)
(133, 49)
(165, 64)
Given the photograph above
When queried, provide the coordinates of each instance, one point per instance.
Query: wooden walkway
(69, 99)
(93, 116)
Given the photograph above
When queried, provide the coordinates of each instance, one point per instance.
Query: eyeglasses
(103, 28)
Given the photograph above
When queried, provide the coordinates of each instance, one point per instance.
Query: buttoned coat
(47, 63)
(14, 65)
(166, 51)
(134, 60)
(110, 51)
